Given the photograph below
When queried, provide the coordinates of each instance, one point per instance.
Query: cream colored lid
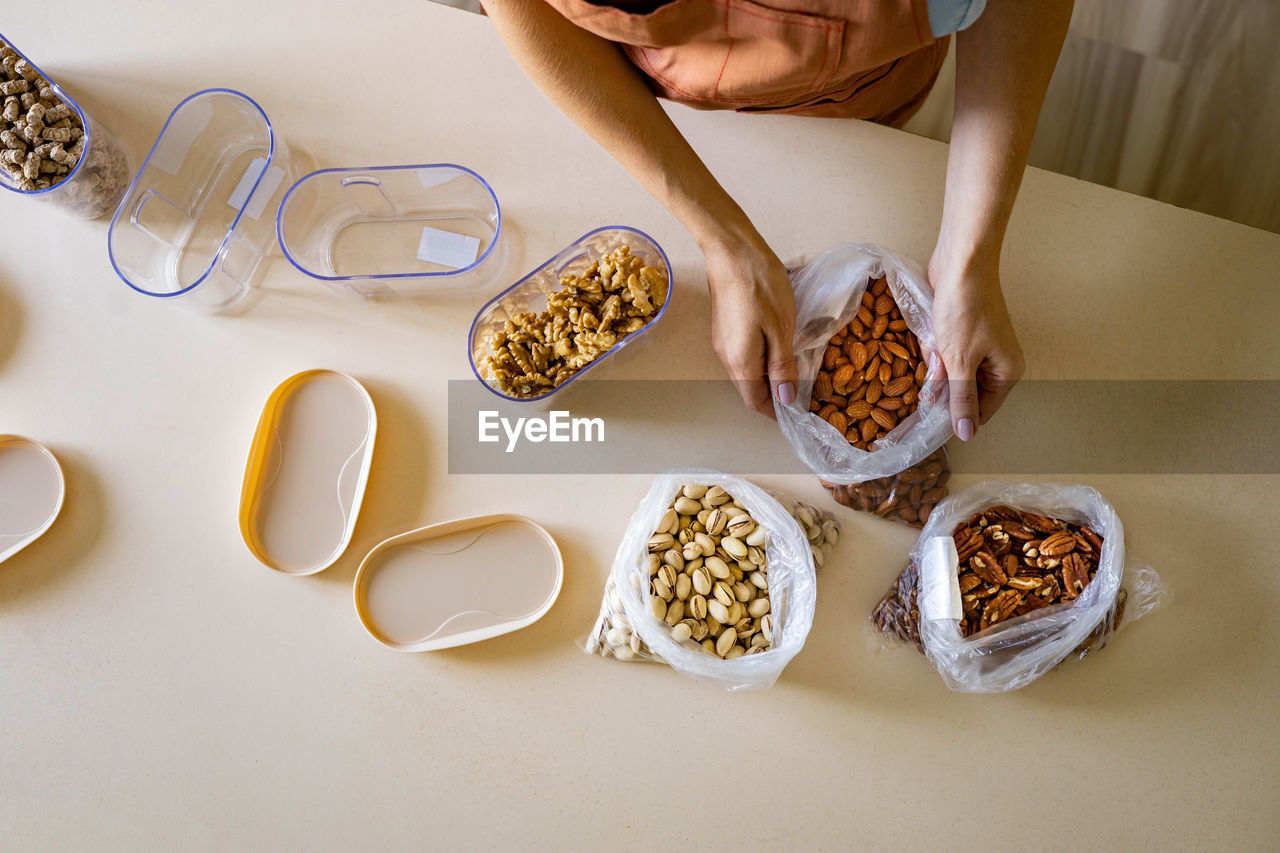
(31, 492)
(306, 473)
(458, 582)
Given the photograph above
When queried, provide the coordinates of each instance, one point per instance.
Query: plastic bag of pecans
(870, 416)
(1008, 580)
(715, 578)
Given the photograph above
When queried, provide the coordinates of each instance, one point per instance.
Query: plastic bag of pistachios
(1008, 580)
(714, 577)
(872, 399)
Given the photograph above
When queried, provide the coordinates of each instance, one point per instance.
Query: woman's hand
(753, 318)
(976, 341)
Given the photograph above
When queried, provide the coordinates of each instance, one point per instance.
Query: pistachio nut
(717, 567)
(715, 521)
(723, 594)
(687, 506)
(660, 542)
(727, 639)
(658, 606)
(758, 608)
(694, 491)
(684, 586)
(681, 631)
(716, 495)
(718, 611)
(734, 546)
(698, 607)
(702, 581)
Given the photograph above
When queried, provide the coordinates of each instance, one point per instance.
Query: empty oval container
(99, 173)
(306, 473)
(529, 294)
(458, 582)
(393, 230)
(198, 219)
(31, 492)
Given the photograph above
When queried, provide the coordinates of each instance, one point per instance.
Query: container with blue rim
(197, 221)
(529, 294)
(101, 171)
(393, 231)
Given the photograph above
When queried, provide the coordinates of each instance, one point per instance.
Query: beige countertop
(160, 689)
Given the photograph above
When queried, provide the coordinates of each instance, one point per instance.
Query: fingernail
(787, 393)
(964, 429)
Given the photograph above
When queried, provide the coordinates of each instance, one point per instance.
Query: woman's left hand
(976, 341)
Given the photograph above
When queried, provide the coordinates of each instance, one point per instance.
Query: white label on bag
(447, 249)
(939, 589)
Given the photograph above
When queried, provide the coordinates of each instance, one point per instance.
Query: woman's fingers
(781, 366)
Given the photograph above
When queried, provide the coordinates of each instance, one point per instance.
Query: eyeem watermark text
(558, 426)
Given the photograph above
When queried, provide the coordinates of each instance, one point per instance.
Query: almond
(831, 357)
(858, 355)
(841, 378)
(838, 420)
(858, 410)
(898, 350)
(899, 386)
(884, 304)
(883, 418)
(822, 386)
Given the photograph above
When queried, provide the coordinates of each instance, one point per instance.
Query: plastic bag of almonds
(870, 415)
(1007, 580)
(715, 578)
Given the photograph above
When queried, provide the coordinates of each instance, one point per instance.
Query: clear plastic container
(393, 230)
(529, 294)
(197, 220)
(94, 185)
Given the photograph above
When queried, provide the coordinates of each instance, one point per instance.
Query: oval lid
(306, 473)
(32, 490)
(458, 582)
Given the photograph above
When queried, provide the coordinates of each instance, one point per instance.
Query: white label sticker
(447, 249)
(241, 193)
(939, 589)
(266, 188)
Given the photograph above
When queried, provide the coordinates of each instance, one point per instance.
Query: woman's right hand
(753, 319)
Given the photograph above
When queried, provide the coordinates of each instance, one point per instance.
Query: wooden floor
(1177, 100)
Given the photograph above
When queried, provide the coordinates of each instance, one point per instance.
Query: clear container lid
(394, 230)
(529, 294)
(458, 582)
(31, 492)
(197, 218)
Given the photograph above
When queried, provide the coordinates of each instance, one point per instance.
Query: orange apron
(870, 59)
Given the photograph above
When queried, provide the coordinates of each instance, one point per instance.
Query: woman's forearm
(596, 86)
(1003, 66)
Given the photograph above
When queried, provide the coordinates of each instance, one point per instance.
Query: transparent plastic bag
(1017, 651)
(798, 538)
(909, 496)
(828, 295)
